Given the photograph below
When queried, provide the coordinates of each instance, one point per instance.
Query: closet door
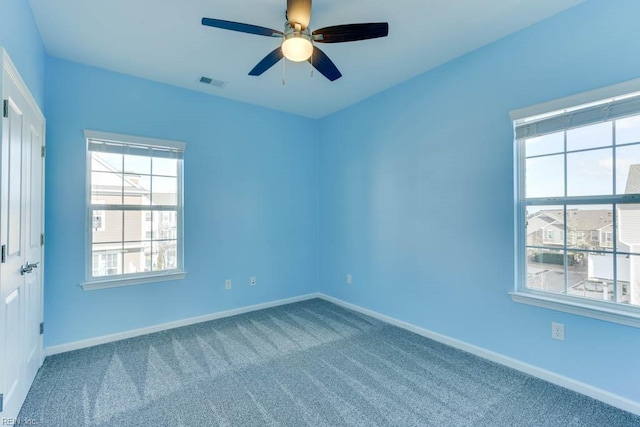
(21, 214)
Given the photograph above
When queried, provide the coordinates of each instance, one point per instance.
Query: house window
(579, 169)
(608, 238)
(134, 210)
(106, 264)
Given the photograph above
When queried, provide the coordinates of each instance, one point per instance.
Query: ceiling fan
(298, 40)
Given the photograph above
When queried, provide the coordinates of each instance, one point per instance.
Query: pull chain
(284, 81)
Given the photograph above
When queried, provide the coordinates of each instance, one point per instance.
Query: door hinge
(42, 239)
(3, 254)
(41, 328)
(5, 108)
(43, 151)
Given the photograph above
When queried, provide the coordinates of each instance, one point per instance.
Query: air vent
(212, 82)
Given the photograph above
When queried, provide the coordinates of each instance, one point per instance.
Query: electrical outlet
(557, 331)
(227, 284)
(348, 279)
(252, 281)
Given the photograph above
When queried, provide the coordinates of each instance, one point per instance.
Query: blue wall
(20, 37)
(417, 196)
(251, 201)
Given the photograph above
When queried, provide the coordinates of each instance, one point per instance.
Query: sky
(590, 172)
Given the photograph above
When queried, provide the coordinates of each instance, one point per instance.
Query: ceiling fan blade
(322, 63)
(351, 32)
(243, 28)
(267, 62)
(299, 12)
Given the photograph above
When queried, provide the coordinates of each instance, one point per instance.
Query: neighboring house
(592, 230)
(586, 229)
(629, 230)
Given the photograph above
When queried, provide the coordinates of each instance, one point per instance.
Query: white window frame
(93, 283)
(603, 310)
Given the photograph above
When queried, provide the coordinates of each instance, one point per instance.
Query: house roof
(633, 180)
(577, 219)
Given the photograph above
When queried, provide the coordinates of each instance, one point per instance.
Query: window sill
(114, 283)
(587, 309)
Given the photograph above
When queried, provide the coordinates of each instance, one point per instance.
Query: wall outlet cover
(557, 331)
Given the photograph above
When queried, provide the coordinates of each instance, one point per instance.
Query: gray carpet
(305, 364)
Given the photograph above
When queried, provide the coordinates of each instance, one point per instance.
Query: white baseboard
(77, 345)
(552, 377)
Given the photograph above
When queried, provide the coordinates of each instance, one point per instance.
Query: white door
(21, 197)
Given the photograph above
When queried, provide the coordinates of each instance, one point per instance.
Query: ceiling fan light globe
(297, 49)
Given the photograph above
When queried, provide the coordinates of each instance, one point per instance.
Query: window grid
(603, 237)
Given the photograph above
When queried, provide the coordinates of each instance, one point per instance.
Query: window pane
(106, 162)
(629, 279)
(106, 188)
(589, 226)
(106, 259)
(590, 173)
(547, 144)
(165, 191)
(591, 275)
(628, 130)
(165, 225)
(599, 135)
(545, 226)
(148, 264)
(545, 176)
(137, 164)
(167, 167)
(164, 255)
(628, 228)
(545, 270)
(137, 190)
(628, 169)
(135, 226)
(134, 257)
(111, 230)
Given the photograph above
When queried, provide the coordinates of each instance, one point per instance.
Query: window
(548, 235)
(106, 264)
(578, 173)
(608, 238)
(134, 210)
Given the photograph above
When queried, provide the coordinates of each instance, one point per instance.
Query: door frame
(13, 74)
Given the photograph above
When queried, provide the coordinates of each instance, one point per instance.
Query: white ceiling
(163, 40)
